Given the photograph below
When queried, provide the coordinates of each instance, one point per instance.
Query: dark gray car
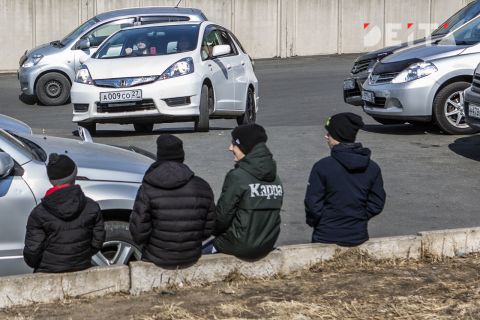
(48, 71)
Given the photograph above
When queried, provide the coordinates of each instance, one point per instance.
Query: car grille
(124, 82)
(379, 103)
(382, 78)
(476, 83)
(112, 107)
(361, 66)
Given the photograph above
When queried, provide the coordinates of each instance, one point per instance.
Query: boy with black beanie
(174, 210)
(248, 210)
(66, 229)
(344, 190)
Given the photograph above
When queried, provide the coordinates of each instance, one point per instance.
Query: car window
(150, 41)
(469, 34)
(214, 38)
(237, 41)
(99, 34)
(162, 19)
(461, 17)
(79, 31)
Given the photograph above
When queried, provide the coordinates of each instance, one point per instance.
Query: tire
(118, 248)
(388, 121)
(250, 115)
(53, 89)
(448, 109)
(90, 126)
(202, 124)
(143, 127)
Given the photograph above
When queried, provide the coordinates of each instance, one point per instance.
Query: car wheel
(388, 121)
(118, 247)
(250, 114)
(53, 89)
(448, 109)
(90, 126)
(202, 124)
(143, 127)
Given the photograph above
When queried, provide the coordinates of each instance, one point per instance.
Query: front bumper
(26, 77)
(153, 107)
(471, 97)
(353, 96)
(404, 101)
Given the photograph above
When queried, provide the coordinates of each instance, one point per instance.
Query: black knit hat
(61, 169)
(248, 136)
(343, 127)
(170, 148)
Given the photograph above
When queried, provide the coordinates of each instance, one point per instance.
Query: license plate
(349, 84)
(368, 96)
(121, 96)
(474, 111)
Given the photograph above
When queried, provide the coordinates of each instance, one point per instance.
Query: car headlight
(415, 71)
(32, 61)
(179, 68)
(83, 76)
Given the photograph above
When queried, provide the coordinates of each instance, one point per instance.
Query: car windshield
(79, 31)
(34, 150)
(149, 41)
(461, 17)
(469, 34)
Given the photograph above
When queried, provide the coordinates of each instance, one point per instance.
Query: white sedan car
(183, 71)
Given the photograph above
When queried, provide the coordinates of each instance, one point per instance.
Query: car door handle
(243, 63)
(229, 67)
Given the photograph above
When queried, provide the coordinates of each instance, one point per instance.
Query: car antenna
(178, 3)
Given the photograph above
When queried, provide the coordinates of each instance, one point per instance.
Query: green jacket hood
(259, 163)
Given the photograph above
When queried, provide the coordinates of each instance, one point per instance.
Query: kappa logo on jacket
(267, 191)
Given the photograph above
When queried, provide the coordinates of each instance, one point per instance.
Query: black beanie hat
(248, 136)
(343, 127)
(170, 148)
(61, 169)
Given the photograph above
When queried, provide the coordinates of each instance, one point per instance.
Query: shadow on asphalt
(468, 147)
(125, 133)
(402, 129)
(30, 100)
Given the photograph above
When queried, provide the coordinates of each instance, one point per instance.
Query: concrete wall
(267, 28)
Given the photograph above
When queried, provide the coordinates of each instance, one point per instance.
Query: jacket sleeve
(227, 204)
(210, 223)
(35, 238)
(140, 219)
(98, 232)
(314, 198)
(376, 197)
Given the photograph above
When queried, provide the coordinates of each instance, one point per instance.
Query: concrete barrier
(43, 287)
(142, 277)
(450, 243)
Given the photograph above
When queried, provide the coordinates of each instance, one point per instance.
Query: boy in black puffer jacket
(174, 210)
(66, 229)
(344, 190)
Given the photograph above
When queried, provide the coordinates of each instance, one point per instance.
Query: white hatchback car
(174, 72)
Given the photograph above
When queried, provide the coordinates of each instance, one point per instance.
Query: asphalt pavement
(431, 179)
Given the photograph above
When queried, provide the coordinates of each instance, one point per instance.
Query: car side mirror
(83, 44)
(6, 165)
(221, 50)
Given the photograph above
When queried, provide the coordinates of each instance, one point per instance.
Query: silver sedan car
(109, 175)
(426, 83)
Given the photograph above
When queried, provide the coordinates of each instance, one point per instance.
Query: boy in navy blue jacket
(344, 190)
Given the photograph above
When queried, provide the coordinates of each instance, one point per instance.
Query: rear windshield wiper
(57, 43)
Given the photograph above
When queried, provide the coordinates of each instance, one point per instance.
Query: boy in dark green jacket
(248, 210)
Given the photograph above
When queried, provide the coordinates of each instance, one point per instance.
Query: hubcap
(116, 253)
(454, 111)
(53, 88)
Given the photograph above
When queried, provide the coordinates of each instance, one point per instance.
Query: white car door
(220, 70)
(16, 203)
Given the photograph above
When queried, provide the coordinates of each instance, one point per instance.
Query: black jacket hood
(65, 204)
(353, 156)
(168, 174)
(259, 163)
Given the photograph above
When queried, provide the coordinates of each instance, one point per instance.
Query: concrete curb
(143, 277)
